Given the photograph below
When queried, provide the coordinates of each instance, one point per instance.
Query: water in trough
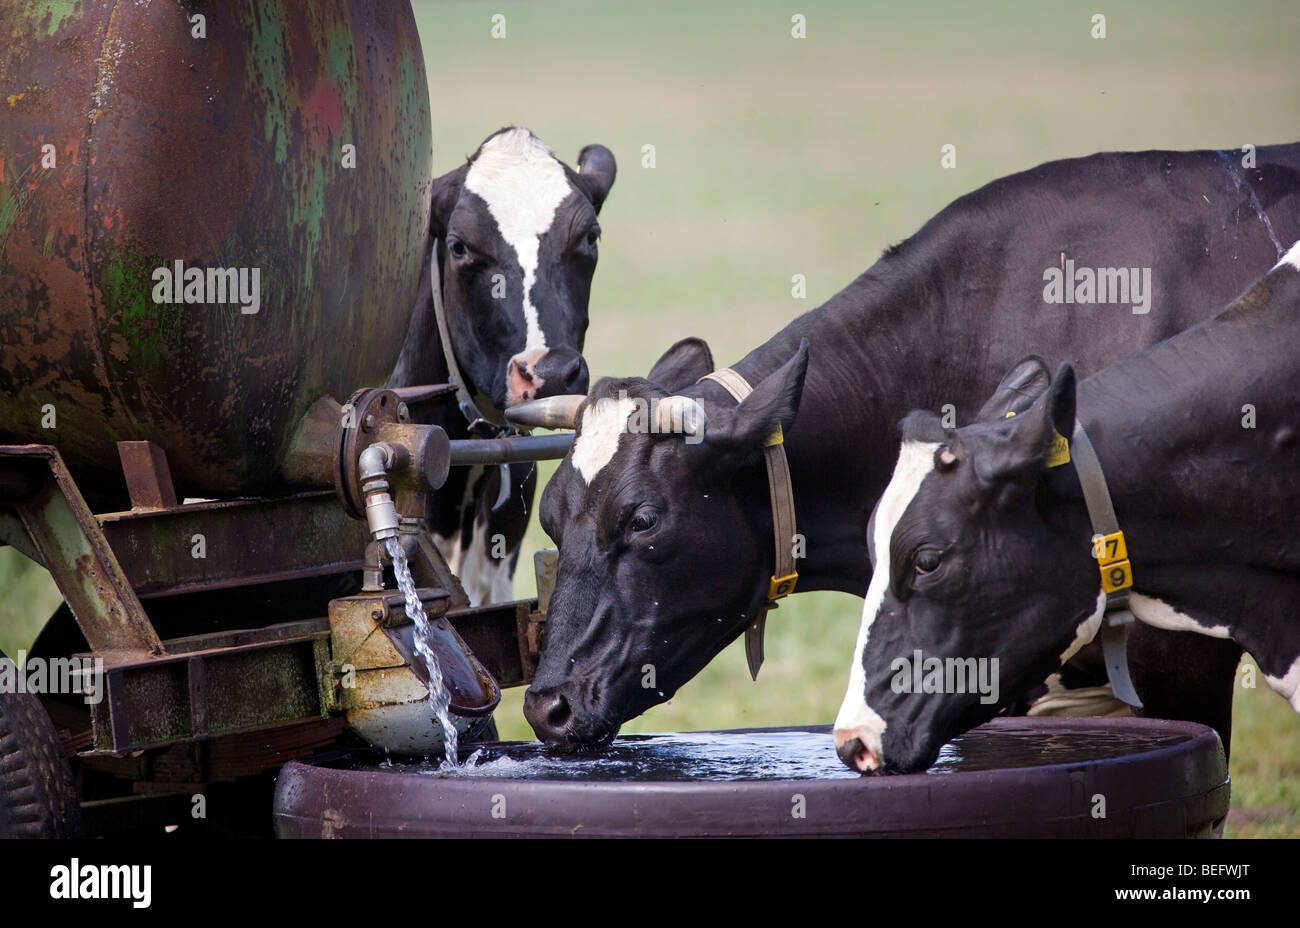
(1012, 777)
(774, 754)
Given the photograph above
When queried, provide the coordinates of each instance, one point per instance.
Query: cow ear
(1022, 447)
(1061, 400)
(1020, 388)
(682, 365)
(596, 170)
(771, 407)
(446, 192)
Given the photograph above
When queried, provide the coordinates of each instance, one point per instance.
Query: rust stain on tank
(222, 152)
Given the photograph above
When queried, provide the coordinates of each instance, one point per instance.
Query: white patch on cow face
(1160, 614)
(1289, 684)
(602, 423)
(1292, 258)
(856, 718)
(523, 185)
(1087, 629)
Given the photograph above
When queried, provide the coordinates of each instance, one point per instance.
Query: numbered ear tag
(1059, 452)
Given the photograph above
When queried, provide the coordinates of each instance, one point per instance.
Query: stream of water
(439, 698)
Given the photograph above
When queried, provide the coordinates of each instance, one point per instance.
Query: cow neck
(1174, 415)
(844, 439)
(1196, 488)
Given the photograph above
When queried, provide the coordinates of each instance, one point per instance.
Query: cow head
(979, 590)
(517, 234)
(661, 516)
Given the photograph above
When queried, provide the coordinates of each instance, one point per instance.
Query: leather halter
(487, 425)
(781, 494)
(470, 409)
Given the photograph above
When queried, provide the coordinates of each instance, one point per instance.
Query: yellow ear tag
(775, 438)
(1059, 453)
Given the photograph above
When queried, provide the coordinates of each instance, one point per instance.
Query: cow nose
(562, 370)
(549, 713)
(851, 748)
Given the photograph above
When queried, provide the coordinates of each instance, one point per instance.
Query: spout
(381, 514)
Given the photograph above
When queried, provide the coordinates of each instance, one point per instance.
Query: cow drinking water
(988, 550)
(666, 547)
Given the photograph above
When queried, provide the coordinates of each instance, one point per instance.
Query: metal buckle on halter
(781, 587)
(486, 428)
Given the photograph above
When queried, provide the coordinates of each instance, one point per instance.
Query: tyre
(37, 796)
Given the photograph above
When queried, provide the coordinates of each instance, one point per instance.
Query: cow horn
(550, 412)
(680, 414)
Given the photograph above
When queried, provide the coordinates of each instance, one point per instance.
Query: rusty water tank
(288, 136)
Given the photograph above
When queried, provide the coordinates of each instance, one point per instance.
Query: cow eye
(644, 520)
(592, 237)
(458, 249)
(925, 562)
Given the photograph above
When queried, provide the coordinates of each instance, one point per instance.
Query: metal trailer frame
(177, 711)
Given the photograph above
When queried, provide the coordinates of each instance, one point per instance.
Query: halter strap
(781, 495)
(480, 423)
(470, 409)
(1111, 551)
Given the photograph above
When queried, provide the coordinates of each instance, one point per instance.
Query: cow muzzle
(853, 748)
(551, 713)
(539, 373)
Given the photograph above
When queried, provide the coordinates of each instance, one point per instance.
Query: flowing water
(439, 698)
(791, 754)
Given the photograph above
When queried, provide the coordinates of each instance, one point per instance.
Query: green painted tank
(281, 146)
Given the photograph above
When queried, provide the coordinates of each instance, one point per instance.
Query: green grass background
(778, 156)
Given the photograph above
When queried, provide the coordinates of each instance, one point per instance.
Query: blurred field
(776, 156)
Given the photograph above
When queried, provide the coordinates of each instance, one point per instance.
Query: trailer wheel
(37, 795)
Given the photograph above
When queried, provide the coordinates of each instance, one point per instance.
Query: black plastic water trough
(1083, 777)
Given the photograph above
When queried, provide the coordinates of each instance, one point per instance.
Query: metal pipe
(509, 450)
(381, 514)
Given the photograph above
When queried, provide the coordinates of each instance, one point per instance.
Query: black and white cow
(984, 554)
(666, 545)
(516, 232)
